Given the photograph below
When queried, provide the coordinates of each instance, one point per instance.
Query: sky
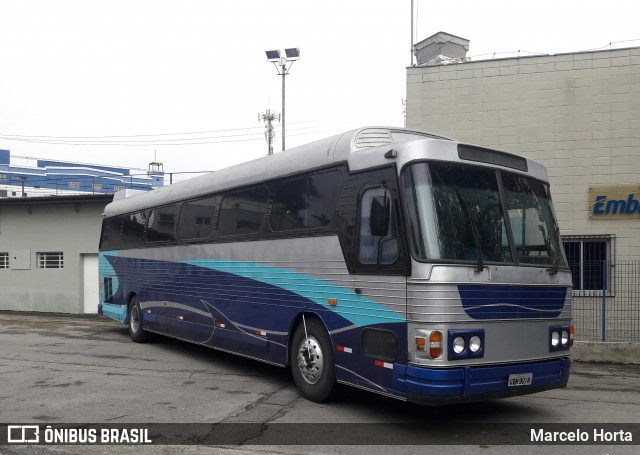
(182, 82)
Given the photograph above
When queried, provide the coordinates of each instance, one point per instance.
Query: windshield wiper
(474, 230)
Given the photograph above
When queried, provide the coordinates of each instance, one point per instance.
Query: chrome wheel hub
(310, 360)
(135, 319)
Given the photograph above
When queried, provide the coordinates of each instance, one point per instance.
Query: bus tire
(134, 319)
(312, 361)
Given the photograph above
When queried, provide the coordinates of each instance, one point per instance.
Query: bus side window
(111, 233)
(161, 224)
(377, 249)
(242, 212)
(305, 203)
(133, 226)
(196, 218)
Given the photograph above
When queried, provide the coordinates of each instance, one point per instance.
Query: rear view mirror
(379, 217)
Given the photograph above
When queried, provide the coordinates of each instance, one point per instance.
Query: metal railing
(606, 300)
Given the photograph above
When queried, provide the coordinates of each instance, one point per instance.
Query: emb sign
(614, 202)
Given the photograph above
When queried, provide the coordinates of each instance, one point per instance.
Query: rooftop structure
(441, 48)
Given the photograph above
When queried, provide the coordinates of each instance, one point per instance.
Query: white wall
(48, 227)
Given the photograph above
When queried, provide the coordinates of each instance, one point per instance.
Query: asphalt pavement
(58, 369)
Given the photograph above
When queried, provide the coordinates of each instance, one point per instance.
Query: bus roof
(315, 155)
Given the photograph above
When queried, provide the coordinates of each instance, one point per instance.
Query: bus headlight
(458, 345)
(475, 343)
(465, 344)
(559, 338)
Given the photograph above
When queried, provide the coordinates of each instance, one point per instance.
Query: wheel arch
(130, 297)
(298, 321)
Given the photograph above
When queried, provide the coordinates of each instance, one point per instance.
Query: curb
(626, 353)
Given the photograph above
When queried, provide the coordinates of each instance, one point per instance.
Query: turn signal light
(420, 343)
(435, 344)
(573, 333)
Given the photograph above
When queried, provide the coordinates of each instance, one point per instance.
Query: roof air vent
(373, 137)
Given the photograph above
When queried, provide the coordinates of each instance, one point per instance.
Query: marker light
(475, 343)
(458, 345)
(420, 343)
(435, 344)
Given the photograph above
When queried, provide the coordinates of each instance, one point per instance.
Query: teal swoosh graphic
(357, 309)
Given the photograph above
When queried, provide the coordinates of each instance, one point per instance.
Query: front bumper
(434, 386)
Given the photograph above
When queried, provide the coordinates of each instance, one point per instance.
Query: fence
(606, 300)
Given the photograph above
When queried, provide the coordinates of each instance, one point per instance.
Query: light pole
(283, 65)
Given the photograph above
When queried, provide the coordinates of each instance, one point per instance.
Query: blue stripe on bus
(106, 270)
(512, 302)
(117, 312)
(357, 309)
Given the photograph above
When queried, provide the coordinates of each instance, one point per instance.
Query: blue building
(50, 177)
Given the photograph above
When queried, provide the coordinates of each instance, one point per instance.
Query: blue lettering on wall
(604, 206)
(632, 204)
(597, 207)
(615, 204)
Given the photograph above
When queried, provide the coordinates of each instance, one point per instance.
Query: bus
(389, 259)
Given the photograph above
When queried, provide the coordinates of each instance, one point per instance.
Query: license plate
(517, 380)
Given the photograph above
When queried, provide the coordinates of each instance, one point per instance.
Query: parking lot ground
(85, 369)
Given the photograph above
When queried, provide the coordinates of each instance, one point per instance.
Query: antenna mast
(269, 134)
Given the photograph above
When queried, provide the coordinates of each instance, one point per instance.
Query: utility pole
(411, 61)
(268, 117)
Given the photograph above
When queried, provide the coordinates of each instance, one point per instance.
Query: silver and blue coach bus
(389, 259)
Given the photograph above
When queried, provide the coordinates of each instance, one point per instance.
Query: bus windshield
(456, 213)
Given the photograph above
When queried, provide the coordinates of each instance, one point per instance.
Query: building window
(15, 177)
(4, 260)
(97, 187)
(50, 260)
(3, 193)
(118, 187)
(587, 256)
(3, 176)
(203, 220)
(74, 184)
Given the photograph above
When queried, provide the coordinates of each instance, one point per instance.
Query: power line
(156, 143)
(141, 135)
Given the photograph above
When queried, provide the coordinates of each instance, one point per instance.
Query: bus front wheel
(312, 361)
(135, 321)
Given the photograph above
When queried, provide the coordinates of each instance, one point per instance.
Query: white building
(49, 253)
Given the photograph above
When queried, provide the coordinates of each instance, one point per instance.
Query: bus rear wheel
(135, 321)
(312, 361)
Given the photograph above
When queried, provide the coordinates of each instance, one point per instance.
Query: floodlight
(273, 55)
(292, 52)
